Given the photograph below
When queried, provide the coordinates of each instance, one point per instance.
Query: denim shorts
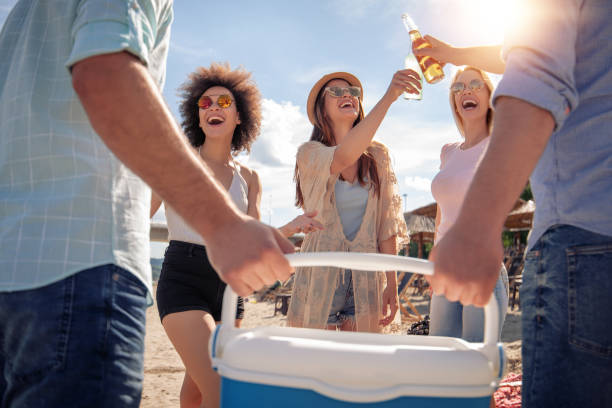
(78, 342)
(343, 303)
(566, 302)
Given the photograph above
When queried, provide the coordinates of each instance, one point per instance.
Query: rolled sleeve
(108, 26)
(540, 59)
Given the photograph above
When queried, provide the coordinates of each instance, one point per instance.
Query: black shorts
(189, 282)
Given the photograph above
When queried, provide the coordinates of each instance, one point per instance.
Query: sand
(164, 370)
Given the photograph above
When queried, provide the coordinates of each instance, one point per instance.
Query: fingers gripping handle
(370, 262)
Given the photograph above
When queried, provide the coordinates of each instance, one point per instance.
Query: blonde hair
(453, 106)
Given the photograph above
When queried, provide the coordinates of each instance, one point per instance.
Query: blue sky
(289, 45)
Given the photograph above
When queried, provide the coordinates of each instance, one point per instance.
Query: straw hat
(312, 97)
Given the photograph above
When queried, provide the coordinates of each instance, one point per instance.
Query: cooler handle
(367, 262)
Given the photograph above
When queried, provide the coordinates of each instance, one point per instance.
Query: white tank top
(178, 229)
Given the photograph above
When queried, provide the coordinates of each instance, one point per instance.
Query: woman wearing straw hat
(469, 97)
(347, 178)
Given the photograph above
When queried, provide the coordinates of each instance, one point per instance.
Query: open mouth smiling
(469, 104)
(215, 120)
(346, 104)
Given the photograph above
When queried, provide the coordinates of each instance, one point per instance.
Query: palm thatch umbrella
(421, 229)
(421, 221)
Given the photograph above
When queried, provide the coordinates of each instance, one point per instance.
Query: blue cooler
(294, 367)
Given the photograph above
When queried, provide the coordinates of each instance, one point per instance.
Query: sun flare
(494, 17)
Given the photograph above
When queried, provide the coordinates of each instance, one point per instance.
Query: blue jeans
(566, 301)
(78, 342)
(452, 319)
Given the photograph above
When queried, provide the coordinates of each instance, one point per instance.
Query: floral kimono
(314, 287)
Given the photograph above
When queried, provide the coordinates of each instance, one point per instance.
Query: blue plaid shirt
(66, 202)
(560, 60)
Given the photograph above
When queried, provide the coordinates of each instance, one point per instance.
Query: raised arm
(487, 57)
(359, 138)
(146, 138)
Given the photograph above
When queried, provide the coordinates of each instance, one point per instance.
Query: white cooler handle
(367, 262)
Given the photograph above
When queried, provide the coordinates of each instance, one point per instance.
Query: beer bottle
(432, 70)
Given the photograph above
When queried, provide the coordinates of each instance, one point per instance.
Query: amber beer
(432, 70)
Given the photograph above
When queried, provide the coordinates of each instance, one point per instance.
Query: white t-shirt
(450, 185)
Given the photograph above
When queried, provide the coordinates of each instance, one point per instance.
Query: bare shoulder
(250, 176)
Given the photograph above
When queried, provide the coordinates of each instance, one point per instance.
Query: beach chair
(405, 282)
(299, 368)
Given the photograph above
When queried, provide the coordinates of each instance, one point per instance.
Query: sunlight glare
(493, 17)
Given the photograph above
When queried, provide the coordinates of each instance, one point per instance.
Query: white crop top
(178, 229)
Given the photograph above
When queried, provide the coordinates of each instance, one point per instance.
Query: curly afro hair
(246, 94)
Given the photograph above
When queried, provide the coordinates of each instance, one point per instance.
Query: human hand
(248, 255)
(404, 80)
(440, 51)
(390, 304)
(302, 223)
(466, 266)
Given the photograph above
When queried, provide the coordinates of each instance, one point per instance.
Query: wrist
(392, 280)
(287, 230)
(388, 98)
(223, 220)
(482, 227)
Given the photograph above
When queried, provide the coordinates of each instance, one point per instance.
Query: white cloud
(284, 128)
(417, 183)
(415, 145)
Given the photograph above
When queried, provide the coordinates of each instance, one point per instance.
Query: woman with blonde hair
(469, 98)
(348, 179)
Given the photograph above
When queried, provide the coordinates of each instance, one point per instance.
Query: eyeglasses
(474, 85)
(337, 92)
(224, 101)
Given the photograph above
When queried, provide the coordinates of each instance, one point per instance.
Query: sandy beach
(164, 370)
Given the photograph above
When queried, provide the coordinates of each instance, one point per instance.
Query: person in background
(553, 112)
(470, 92)
(83, 132)
(221, 117)
(348, 179)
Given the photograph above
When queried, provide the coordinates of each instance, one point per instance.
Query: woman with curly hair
(347, 178)
(221, 116)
